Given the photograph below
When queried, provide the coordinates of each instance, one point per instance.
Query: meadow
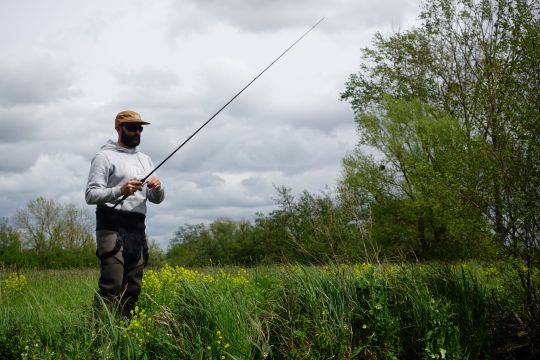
(362, 311)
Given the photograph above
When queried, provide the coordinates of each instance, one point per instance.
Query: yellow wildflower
(15, 282)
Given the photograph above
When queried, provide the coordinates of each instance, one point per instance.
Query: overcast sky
(67, 67)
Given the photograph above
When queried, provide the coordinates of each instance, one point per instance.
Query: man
(120, 232)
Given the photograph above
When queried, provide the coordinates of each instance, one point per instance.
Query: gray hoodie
(111, 168)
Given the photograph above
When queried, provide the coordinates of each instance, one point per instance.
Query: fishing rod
(223, 107)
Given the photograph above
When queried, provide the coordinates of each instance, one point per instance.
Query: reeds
(288, 312)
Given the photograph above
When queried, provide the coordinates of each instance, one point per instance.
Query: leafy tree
(59, 235)
(244, 247)
(307, 229)
(188, 246)
(478, 61)
(222, 242)
(420, 150)
(46, 224)
(10, 244)
(156, 255)
(315, 228)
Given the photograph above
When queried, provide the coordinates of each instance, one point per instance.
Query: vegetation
(52, 235)
(289, 312)
(48, 234)
(448, 112)
(311, 229)
(446, 171)
(452, 108)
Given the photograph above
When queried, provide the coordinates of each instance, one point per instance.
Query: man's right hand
(131, 187)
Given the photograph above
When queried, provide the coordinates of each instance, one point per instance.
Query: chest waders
(122, 234)
(130, 227)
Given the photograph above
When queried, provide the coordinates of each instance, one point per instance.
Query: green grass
(49, 310)
(290, 312)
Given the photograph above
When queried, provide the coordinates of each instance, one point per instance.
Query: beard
(130, 141)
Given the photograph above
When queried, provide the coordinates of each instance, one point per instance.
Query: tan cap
(129, 116)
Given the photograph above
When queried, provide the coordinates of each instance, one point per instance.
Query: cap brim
(134, 122)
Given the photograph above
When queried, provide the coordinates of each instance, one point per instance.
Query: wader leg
(118, 280)
(131, 284)
(111, 267)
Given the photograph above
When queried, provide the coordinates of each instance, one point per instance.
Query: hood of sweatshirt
(113, 145)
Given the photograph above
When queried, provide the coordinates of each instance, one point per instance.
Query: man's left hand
(153, 183)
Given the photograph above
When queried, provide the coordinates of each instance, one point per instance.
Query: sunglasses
(133, 128)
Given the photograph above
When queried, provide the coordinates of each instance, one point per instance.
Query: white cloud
(265, 16)
(149, 78)
(35, 81)
(68, 67)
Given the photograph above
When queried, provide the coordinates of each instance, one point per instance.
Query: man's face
(131, 135)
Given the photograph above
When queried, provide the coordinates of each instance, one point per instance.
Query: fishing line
(143, 180)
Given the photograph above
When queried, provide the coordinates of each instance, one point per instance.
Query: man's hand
(153, 183)
(131, 187)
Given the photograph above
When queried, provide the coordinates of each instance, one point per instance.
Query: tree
(477, 60)
(56, 233)
(406, 190)
(186, 247)
(308, 229)
(157, 256)
(222, 242)
(10, 245)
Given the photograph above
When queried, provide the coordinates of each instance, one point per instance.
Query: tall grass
(289, 312)
(37, 318)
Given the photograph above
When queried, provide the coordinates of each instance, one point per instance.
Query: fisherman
(122, 247)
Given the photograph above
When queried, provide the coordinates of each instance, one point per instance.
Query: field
(358, 311)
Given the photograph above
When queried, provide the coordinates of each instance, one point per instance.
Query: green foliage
(14, 254)
(46, 225)
(410, 192)
(222, 242)
(156, 255)
(46, 319)
(10, 244)
(448, 111)
(48, 235)
(306, 229)
(463, 311)
(451, 108)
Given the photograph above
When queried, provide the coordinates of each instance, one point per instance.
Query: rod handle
(120, 201)
(143, 180)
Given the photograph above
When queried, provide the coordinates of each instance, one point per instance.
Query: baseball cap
(131, 117)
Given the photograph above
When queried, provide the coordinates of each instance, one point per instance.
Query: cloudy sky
(68, 66)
